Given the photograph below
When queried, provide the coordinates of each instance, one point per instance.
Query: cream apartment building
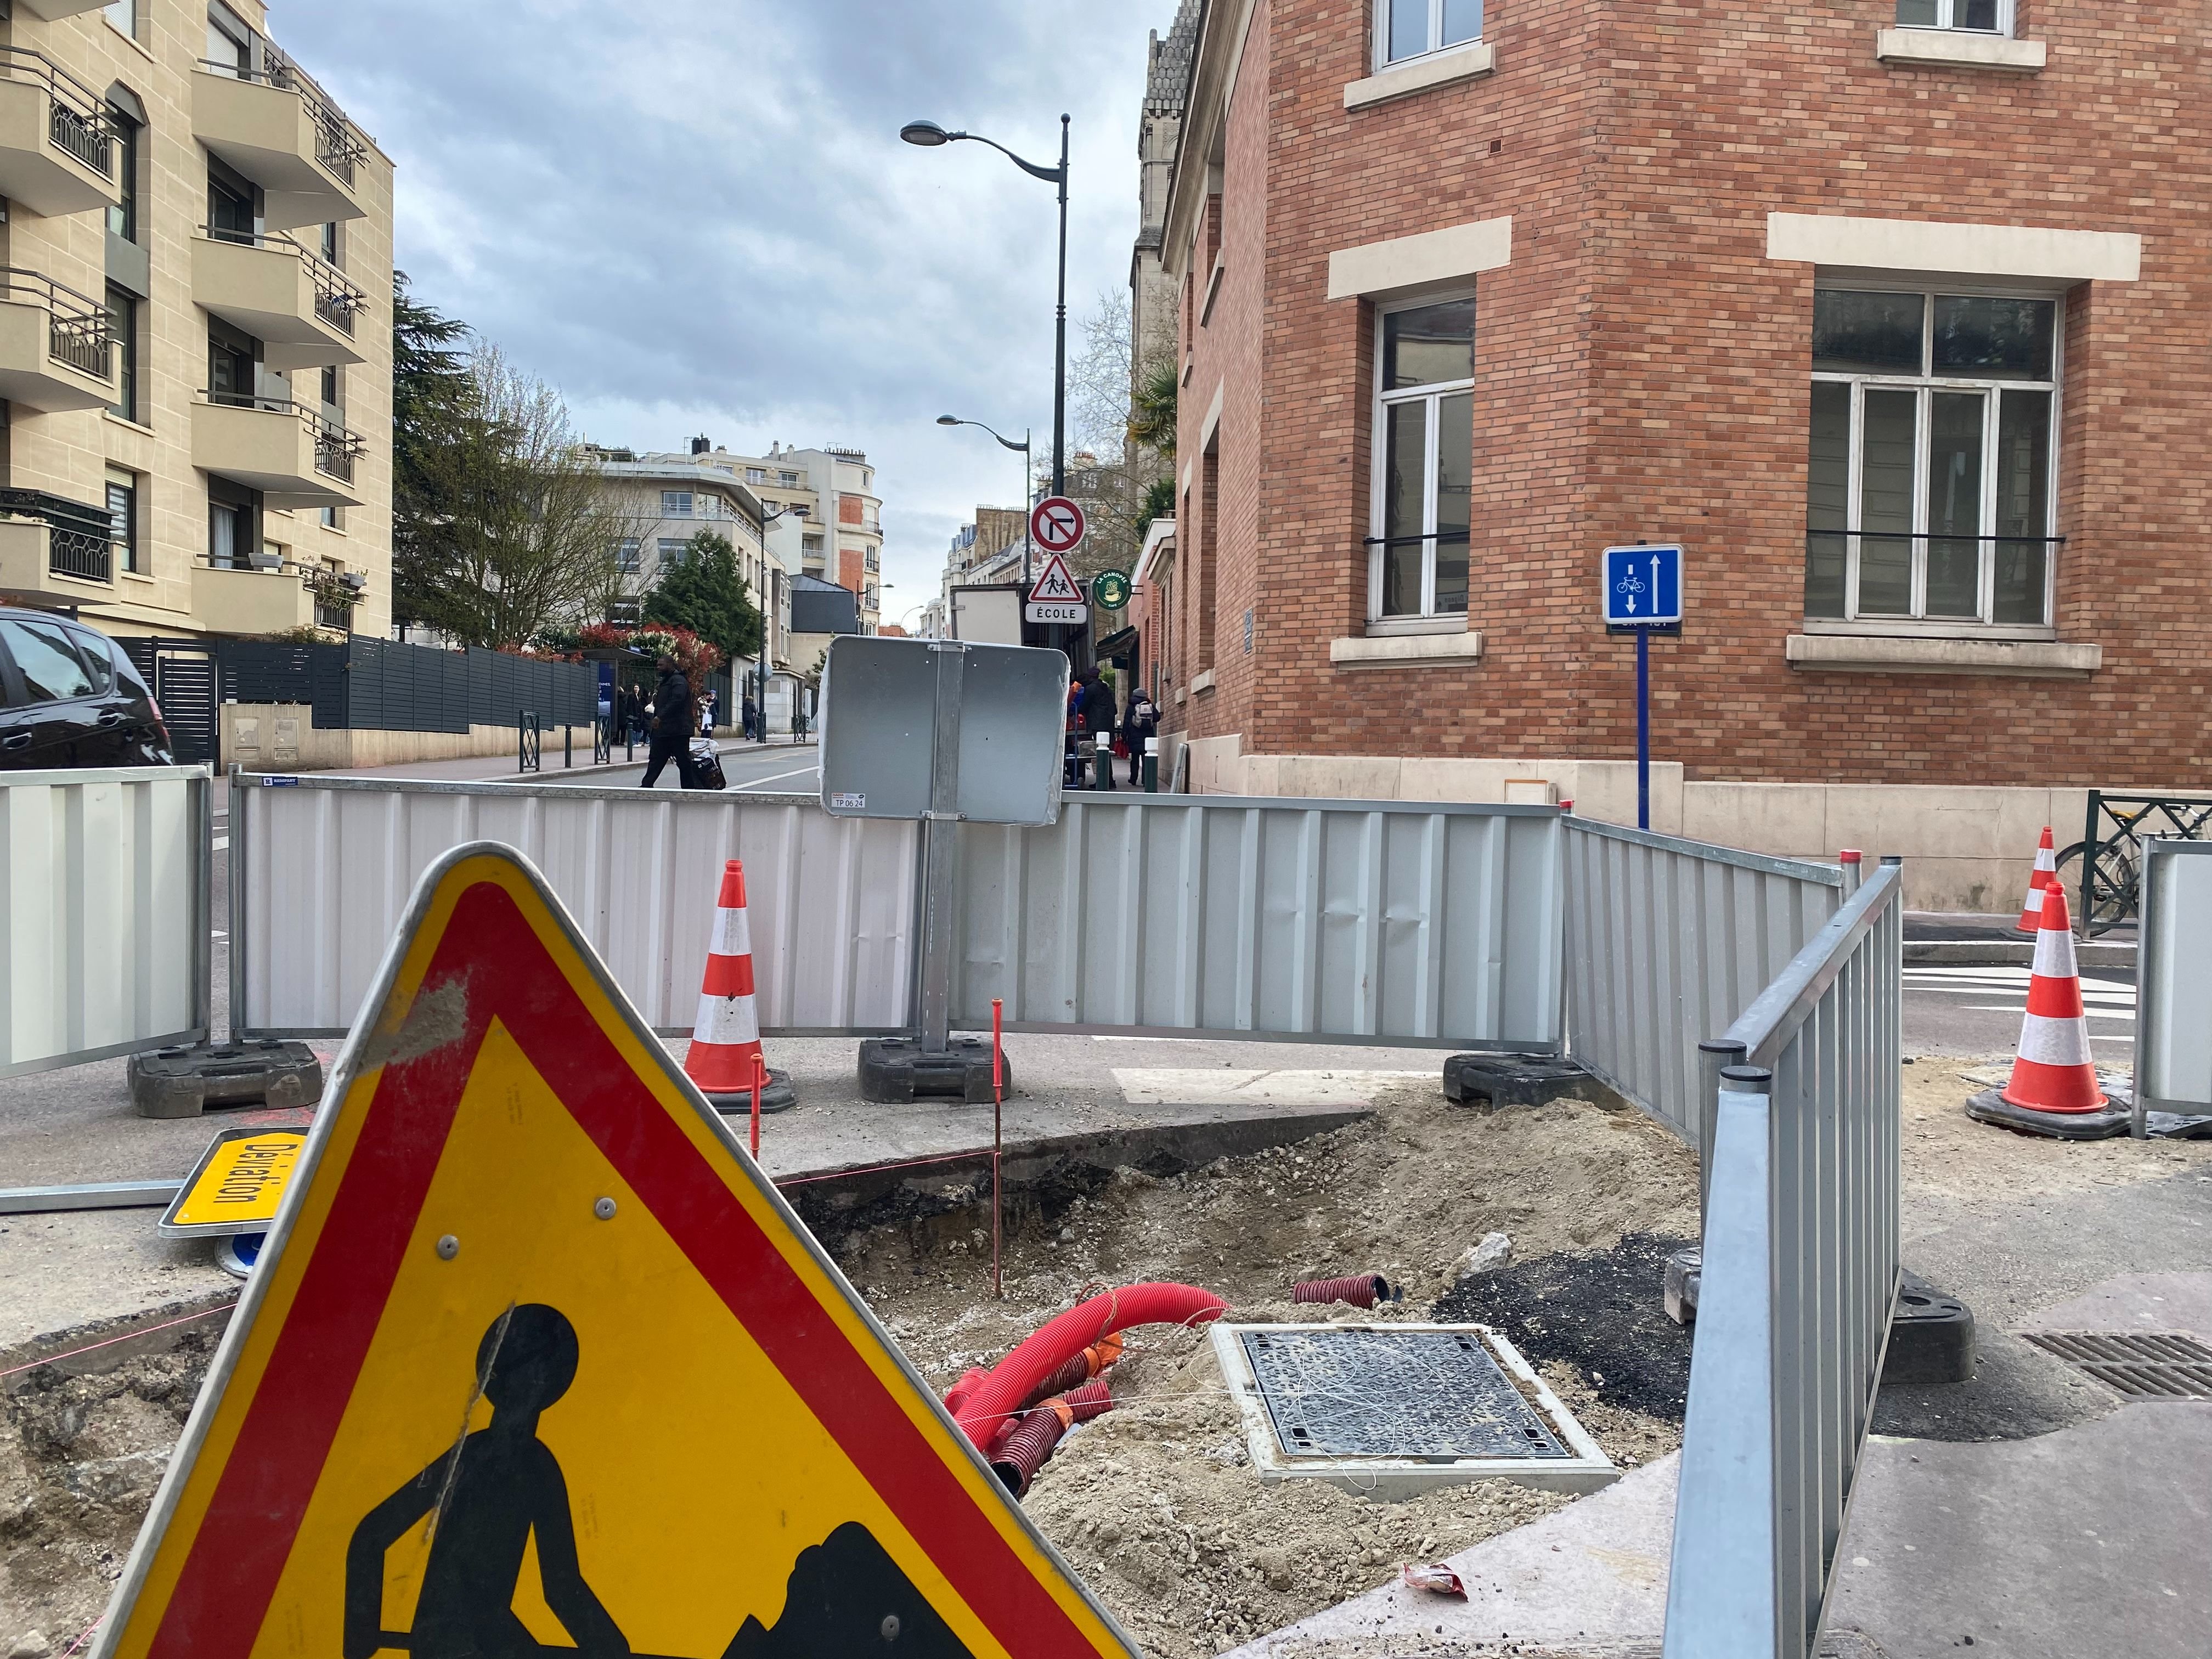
(843, 540)
(194, 331)
(662, 500)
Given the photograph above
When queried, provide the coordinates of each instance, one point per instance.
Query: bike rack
(532, 737)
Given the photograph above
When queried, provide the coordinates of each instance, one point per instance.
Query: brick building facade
(1961, 543)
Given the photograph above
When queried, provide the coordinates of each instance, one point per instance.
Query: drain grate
(2140, 1364)
(1366, 1393)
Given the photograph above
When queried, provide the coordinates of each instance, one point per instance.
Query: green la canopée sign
(1109, 590)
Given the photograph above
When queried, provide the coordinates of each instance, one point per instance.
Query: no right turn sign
(1056, 524)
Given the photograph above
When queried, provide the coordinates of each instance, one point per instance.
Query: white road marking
(754, 783)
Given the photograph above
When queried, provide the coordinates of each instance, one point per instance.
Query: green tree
(431, 410)
(1159, 503)
(1152, 407)
(705, 592)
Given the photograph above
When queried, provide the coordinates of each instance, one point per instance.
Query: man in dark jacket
(674, 717)
(1099, 715)
(1140, 723)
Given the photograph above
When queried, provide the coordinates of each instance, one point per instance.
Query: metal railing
(80, 329)
(77, 122)
(338, 147)
(2105, 866)
(1800, 1279)
(1669, 940)
(80, 538)
(337, 448)
(338, 299)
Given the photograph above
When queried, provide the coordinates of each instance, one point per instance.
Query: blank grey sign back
(880, 722)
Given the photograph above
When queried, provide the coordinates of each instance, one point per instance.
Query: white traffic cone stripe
(2054, 954)
(733, 935)
(2046, 860)
(726, 1022)
(2046, 1042)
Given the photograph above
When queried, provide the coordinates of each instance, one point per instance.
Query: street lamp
(930, 136)
(1022, 449)
(788, 510)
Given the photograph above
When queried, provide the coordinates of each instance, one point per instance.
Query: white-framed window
(1423, 472)
(755, 475)
(1408, 28)
(626, 556)
(1981, 16)
(788, 480)
(672, 551)
(1932, 488)
(675, 503)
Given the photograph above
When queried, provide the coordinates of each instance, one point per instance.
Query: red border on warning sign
(222, 1595)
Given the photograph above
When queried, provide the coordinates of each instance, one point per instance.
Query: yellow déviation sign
(535, 1359)
(237, 1185)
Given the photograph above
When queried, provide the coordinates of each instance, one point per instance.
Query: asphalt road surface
(1955, 1009)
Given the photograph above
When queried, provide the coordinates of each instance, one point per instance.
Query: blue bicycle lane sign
(1643, 585)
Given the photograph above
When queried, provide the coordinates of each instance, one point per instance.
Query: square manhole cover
(2140, 1364)
(1402, 1408)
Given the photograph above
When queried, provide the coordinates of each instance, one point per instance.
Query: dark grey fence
(380, 685)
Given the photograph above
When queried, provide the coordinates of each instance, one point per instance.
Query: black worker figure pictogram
(492, 1493)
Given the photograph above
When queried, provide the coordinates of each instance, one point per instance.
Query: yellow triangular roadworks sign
(537, 1360)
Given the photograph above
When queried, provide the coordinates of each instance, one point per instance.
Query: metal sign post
(1642, 593)
(949, 732)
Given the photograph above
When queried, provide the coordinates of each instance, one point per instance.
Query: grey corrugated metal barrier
(322, 868)
(1668, 941)
(104, 925)
(1800, 1284)
(1412, 922)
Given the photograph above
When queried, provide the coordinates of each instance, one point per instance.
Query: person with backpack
(1140, 723)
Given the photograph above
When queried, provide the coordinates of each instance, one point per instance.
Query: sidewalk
(1943, 936)
(501, 768)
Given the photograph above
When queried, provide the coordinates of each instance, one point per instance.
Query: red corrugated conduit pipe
(985, 1407)
(1030, 1447)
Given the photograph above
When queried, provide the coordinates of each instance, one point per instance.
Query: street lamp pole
(796, 510)
(1023, 448)
(930, 136)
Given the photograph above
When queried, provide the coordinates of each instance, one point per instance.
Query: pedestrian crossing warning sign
(1053, 586)
(537, 1361)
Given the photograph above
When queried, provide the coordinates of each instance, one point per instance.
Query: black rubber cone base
(778, 1097)
(895, 1069)
(1992, 1107)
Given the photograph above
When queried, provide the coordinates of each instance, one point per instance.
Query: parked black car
(69, 697)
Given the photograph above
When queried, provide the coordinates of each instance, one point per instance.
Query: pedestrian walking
(1097, 714)
(706, 715)
(672, 718)
(1140, 723)
(749, 711)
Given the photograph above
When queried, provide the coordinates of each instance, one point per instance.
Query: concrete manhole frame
(1584, 1469)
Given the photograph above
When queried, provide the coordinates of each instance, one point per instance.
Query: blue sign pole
(1643, 728)
(1641, 588)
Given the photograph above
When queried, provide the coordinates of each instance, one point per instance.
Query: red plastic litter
(1435, 1577)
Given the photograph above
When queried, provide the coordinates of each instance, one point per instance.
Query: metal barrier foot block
(1500, 1081)
(184, 1082)
(895, 1069)
(1931, 1336)
(1992, 1107)
(778, 1097)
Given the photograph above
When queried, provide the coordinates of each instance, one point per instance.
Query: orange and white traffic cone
(2045, 876)
(2054, 1090)
(2053, 1072)
(724, 1056)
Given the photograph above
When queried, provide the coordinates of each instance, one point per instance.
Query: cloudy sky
(697, 217)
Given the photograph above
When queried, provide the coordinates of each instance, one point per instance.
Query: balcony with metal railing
(54, 549)
(56, 347)
(303, 309)
(275, 125)
(295, 455)
(57, 148)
